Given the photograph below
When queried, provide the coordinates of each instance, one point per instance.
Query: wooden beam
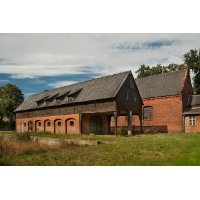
(115, 117)
(80, 123)
(130, 129)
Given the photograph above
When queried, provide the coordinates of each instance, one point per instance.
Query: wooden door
(96, 125)
(30, 126)
(21, 128)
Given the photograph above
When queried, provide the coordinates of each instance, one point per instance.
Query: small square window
(47, 102)
(24, 124)
(57, 100)
(192, 120)
(39, 123)
(59, 123)
(71, 123)
(48, 123)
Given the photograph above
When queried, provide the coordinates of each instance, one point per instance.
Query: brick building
(191, 116)
(165, 98)
(82, 108)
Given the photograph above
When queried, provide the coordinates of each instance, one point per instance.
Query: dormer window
(58, 100)
(47, 102)
(70, 98)
(39, 103)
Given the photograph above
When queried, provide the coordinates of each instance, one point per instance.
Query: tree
(192, 60)
(159, 69)
(10, 98)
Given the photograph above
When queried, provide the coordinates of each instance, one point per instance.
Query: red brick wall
(192, 128)
(167, 111)
(53, 128)
(86, 123)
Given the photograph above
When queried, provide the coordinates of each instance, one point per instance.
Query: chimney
(45, 90)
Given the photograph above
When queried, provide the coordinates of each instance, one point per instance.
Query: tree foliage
(159, 69)
(10, 98)
(192, 60)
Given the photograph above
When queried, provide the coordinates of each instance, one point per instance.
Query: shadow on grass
(2, 163)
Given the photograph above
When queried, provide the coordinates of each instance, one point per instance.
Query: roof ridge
(81, 82)
(161, 73)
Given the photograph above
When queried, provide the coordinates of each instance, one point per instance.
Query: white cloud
(61, 83)
(38, 81)
(21, 76)
(61, 54)
(1, 80)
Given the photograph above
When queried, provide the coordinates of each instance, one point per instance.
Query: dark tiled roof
(165, 84)
(194, 100)
(192, 111)
(95, 89)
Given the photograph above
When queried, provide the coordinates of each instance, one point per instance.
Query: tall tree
(10, 98)
(159, 69)
(192, 60)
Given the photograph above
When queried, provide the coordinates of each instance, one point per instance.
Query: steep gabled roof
(165, 84)
(194, 100)
(95, 89)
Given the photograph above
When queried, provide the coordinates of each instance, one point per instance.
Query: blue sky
(37, 62)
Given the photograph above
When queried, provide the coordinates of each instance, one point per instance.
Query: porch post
(80, 123)
(115, 117)
(109, 120)
(184, 123)
(130, 129)
(140, 124)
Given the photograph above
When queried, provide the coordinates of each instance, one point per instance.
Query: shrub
(23, 137)
(122, 131)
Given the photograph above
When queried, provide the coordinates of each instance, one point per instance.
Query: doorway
(96, 125)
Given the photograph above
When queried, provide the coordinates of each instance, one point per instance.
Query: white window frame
(192, 121)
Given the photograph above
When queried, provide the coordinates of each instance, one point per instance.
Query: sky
(38, 62)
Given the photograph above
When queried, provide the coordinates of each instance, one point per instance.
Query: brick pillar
(130, 129)
(115, 117)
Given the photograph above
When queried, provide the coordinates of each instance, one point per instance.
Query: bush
(23, 137)
(122, 131)
(7, 125)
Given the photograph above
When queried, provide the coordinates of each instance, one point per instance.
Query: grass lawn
(139, 150)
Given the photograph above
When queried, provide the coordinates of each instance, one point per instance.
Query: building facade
(165, 98)
(82, 108)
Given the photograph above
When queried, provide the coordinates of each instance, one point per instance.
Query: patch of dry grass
(16, 147)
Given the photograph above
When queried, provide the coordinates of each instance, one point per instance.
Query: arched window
(148, 113)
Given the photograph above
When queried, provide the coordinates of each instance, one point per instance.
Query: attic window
(133, 98)
(126, 96)
(70, 98)
(39, 103)
(58, 100)
(47, 102)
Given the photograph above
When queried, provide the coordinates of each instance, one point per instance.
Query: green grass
(140, 150)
